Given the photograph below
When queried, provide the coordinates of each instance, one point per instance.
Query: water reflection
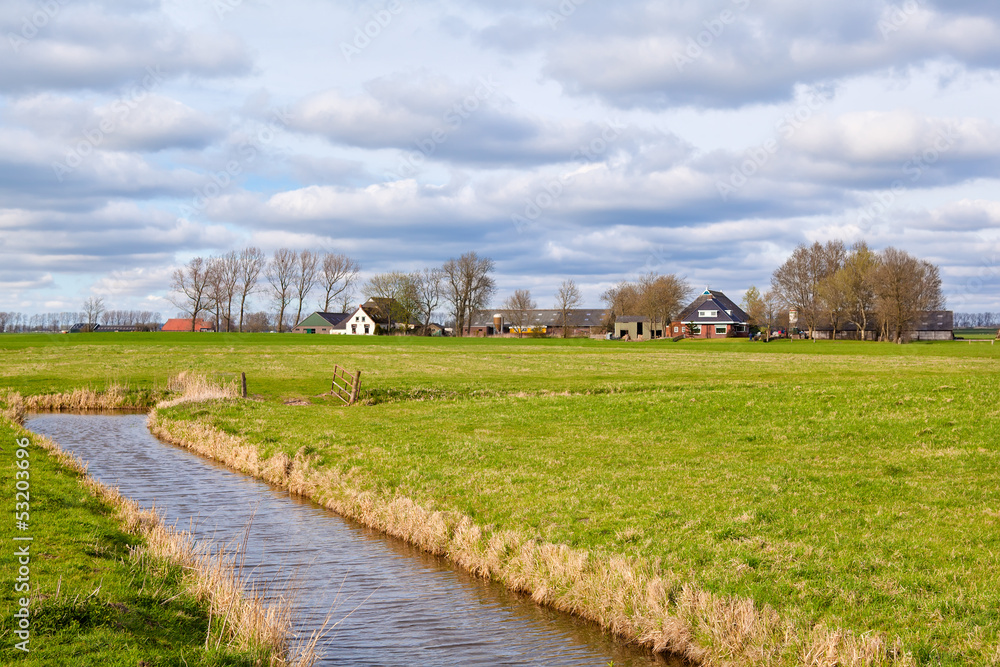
(395, 604)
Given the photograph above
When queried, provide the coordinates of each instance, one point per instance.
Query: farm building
(112, 328)
(711, 315)
(579, 321)
(929, 325)
(181, 324)
(371, 314)
(323, 323)
(634, 326)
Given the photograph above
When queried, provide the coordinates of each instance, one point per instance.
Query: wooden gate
(345, 385)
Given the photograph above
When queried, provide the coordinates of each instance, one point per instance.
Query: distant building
(181, 324)
(633, 326)
(323, 323)
(370, 315)
(711, 315)
(579, 322)
(112, 328)
(928, 325)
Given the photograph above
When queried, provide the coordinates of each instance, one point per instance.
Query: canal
(393, 604)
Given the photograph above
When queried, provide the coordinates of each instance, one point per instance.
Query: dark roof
(575, 317)
(935, 320)
(928, 320)
(378, 309)
(82, 326)
(713, 300)
(335, 319)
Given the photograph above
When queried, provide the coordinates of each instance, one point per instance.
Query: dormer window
(708, 313)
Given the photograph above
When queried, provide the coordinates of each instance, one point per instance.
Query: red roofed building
(180, 324)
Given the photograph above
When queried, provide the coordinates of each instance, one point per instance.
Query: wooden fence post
(354, 389)
(243, 384)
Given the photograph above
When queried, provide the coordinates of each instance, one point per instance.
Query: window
(708, 313)
(720, 329)
(354, 328)
(366, 329)
(696, 329)
(677, 329)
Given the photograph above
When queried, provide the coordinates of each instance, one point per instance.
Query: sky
(565, 139)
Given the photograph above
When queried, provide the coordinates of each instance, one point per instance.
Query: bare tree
(428, 285)
(660, 298)
(771, 308)
(622, 299)
(228, 285)
(216, 289)
(517, 308)
(568, 297)
(798, 280)
(753, 306)
(92, 309)
(395, 295)
(305, 278)
(191, 289)
(468, 286)
(281, 275)
(858, 277)
(250, 262)
(905, 287)
(338, 275)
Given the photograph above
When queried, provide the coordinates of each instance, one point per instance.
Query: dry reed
(634, 599)
(242, 619)
(192, 388)
(115, 397)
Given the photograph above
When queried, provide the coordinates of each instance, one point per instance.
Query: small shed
(635, 326)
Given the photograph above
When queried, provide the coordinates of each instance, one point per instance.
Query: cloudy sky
(574, 138)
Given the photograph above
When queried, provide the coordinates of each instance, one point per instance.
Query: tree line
(971, 320)
(221, 287)
(832, 285)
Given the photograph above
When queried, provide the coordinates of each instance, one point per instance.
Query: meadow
(844, 486)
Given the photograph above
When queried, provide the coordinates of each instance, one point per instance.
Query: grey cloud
(432, 118)
(152, 123)
(732, 53)
(95, 46)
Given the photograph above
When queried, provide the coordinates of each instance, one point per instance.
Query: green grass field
(847, 484)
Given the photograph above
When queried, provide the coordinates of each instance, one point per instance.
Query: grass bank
(107, 582)
(825, 503)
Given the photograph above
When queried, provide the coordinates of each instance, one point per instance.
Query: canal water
(394, 604)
